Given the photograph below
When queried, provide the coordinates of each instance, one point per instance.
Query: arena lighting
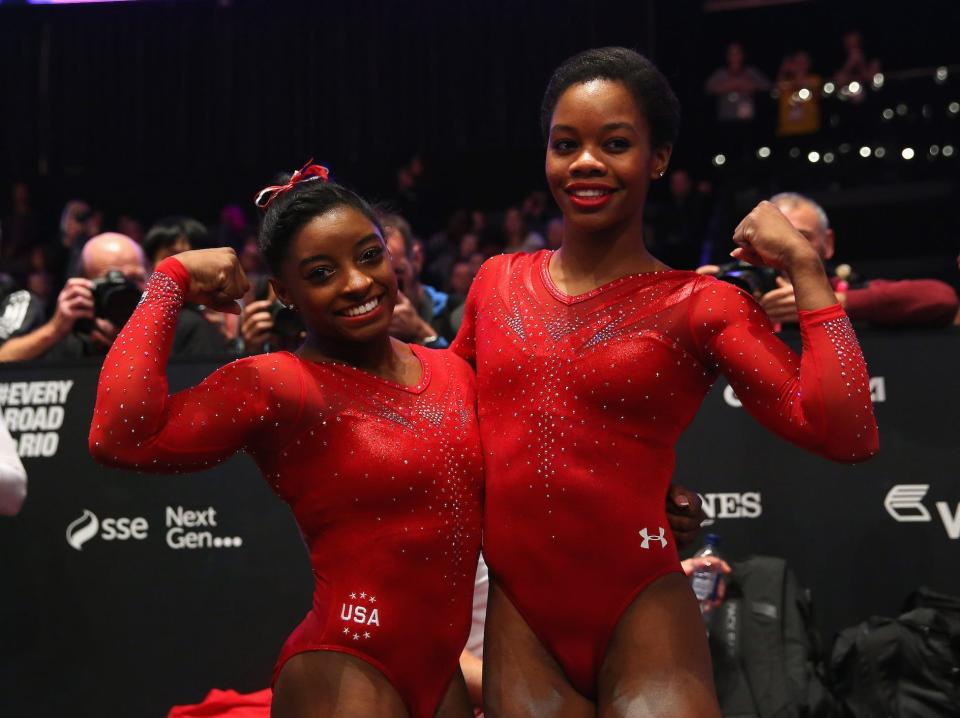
(934, 150)
(813, 156)
(940, 76)
(887, 114)
(763, 153)
(829, 88)
(844, 148)
(901, 109)
(878, 81)
(804, 94)
(854, 88)
(926, 112)
(864, 152)
(953, 108)
(907, 153)
(794, 152)
(880, 153)
(947, 151)
(719, 160)
(828, 157)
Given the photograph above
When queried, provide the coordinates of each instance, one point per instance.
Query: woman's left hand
(766, 238)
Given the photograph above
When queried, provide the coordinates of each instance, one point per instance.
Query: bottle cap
(712, 539)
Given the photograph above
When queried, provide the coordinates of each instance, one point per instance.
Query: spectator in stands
(461, 277)
(908, 302)
(442, 246)
(13, 477)
(75, 332)
(678, 225)
(535, 211)
(19, 232)
(422, 313)
(21, 311)
(172, 235)
(129, 225)
(799, 96)
(736, 86)
(519, 238)
(856, 67)
(234, 228)
(555, 233)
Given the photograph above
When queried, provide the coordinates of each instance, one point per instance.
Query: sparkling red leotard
(384, 480)
(581, 401)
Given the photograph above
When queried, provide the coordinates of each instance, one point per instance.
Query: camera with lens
(114, 299)
(288, 326)
(757, 281)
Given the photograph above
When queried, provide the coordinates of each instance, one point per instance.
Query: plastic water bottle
(706, 580)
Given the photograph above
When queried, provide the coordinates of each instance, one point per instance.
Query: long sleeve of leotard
(465, 343)
(819, 401)
(137, 424)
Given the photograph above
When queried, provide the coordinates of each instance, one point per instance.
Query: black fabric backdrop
(159, 107)
(128, 626)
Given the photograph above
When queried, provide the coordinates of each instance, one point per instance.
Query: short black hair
(293, 209)
(650, 89)
(165, 232)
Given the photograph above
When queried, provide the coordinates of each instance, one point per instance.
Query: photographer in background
(901, 303)
(91, 309)
(267, 324)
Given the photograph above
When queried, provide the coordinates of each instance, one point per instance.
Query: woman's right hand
(216, 278)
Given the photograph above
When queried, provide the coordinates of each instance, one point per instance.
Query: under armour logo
(661, 537)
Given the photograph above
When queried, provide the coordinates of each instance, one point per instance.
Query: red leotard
(581, 401)
(384, 480)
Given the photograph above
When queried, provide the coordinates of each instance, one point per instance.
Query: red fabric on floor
(227, 704)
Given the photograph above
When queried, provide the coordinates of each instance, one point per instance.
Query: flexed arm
(136, 424)
(821, 400)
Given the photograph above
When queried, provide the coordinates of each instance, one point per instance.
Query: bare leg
(319, 684)
(456, 702)
(520, 677)
(658, 663)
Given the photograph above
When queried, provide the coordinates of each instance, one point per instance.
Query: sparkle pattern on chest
(446, 486)
(565, 350)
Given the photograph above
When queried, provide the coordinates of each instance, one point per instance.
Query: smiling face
(337, 273)
(599, 160)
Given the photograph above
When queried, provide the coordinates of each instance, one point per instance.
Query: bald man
(901, 303)
(63, 338)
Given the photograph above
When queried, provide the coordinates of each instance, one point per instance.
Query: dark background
(158, 107)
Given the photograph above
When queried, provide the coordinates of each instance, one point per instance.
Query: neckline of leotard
(418, 388)
(560, 295)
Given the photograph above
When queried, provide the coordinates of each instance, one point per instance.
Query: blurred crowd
(68, 284)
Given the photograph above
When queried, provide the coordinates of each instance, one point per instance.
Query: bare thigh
(658, 662)
(319, 684)
(520, 677)
(456, 703)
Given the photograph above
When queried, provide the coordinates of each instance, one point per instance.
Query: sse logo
(121, 528)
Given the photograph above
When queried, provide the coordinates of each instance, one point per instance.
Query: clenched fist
(766, 238)
(216, 278)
